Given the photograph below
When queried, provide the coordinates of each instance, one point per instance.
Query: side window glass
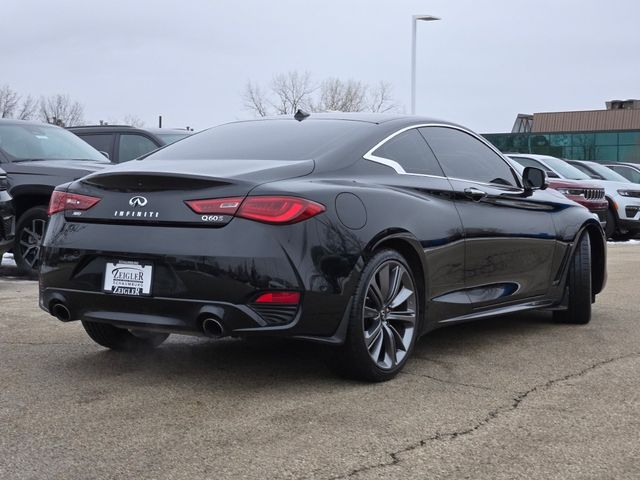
(133, 146)
(464, 156)
(102, 142)
(529, 162)
(411, 151)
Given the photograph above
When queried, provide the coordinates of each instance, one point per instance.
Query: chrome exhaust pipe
(61, 312)
(212, 328)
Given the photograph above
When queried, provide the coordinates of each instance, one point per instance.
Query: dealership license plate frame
(123, 287)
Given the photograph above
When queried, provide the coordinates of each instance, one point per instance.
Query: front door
(509, 238)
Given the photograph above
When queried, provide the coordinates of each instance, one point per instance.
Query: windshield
(21, 142)
(168, 138)
(261, 140)
(566, 170)
(606, 173)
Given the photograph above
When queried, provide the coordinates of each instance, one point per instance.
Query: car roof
(533, 156)
(13, 121)
(376, 118)
(626, 164)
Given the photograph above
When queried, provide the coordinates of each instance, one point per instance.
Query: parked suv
(122, 143)
(584, 192)
(630, 171)
(623, 196)
(7, 221)
(38, 157)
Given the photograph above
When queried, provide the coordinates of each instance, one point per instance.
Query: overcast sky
(482, 64)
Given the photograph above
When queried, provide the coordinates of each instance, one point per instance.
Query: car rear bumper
(198, 273)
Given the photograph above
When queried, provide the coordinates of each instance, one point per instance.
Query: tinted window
(628, 172)
(263, 140)
(464, 156)
(411, 151)
(28, 142)
(530, 162)
(101, 142)
(134, 146)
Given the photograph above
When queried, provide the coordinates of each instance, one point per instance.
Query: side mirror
(105, 154)
(534, 179)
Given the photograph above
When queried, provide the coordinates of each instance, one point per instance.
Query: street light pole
(414, 30)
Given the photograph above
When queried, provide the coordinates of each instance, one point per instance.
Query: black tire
(579, 286)
(29, 234)
(611, 226)
(381, 332)
(121, 339)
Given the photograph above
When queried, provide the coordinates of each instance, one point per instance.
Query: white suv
(623, 197)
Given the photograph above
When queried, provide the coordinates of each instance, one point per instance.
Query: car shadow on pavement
(268, 361)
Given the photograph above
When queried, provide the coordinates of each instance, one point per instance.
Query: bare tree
(254, 99)
(342, 96)
(61, 110)
(291, 91)
(9, 100)
(380, 99)
(27, 109)
(133, 120)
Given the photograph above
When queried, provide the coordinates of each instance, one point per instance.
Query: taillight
(278, 210)
(62, 201)
(280, 298)
(224, 206)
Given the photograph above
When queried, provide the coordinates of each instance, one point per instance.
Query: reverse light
(280, 298)
(217, 206)
(279, 210)
(63, 201)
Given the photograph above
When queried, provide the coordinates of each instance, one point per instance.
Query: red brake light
(223, 206)
(282, 298)
(62, 201)
(279, 210)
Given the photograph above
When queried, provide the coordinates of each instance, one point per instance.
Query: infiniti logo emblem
(138, 201)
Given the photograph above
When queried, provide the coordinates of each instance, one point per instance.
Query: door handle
(474, 194)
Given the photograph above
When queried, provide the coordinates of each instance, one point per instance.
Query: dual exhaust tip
(61, 312)
(211, 326)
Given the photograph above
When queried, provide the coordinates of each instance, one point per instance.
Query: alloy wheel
(389, 314)
(30, 241)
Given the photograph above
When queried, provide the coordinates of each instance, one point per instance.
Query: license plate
(128, 278)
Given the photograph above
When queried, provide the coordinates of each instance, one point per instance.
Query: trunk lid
(155, 191)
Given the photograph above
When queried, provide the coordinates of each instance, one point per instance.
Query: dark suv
(6, 216)
(122, 143)
(38, 157)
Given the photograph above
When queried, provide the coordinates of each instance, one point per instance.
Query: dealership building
(609, 135)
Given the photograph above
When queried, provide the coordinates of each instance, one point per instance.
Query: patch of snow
(628, 242)
(7, 260)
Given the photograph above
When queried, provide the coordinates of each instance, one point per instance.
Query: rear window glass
(263, 140)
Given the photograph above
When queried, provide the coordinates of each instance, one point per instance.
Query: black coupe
(360, 231)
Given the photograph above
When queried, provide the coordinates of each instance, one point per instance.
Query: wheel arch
(23, 201)
(598, 255)
(409, 247)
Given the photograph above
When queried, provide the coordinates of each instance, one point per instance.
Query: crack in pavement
(492, 415)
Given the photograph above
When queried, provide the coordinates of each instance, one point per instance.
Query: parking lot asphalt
(515, 397)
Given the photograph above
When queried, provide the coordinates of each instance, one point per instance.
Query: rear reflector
(62, 201)
(279, 210)
(223, 206)
(282, 298)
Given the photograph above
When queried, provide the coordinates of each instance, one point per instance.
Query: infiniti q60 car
(359, 231)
